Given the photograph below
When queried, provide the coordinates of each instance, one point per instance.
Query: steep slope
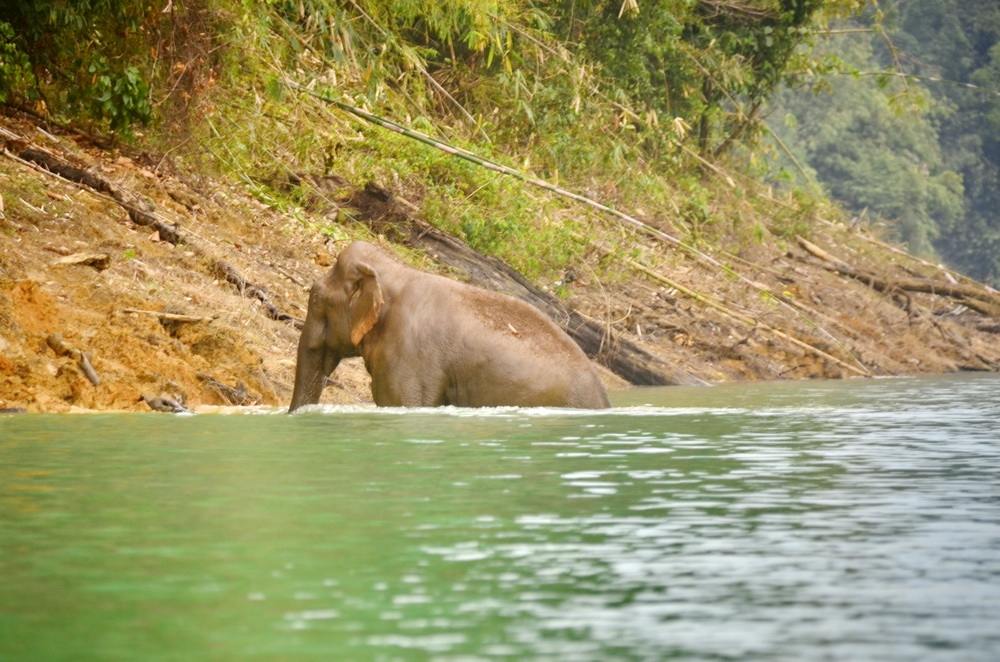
(234, 343)
(775, 308)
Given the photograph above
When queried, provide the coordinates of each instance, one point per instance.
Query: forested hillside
(906, 131)
(626, 101)
(613, 172)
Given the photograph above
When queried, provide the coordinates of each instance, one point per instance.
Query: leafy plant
(120, 98)
(89, 58)
(17, 81)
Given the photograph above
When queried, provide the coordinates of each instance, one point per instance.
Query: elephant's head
(344, 306)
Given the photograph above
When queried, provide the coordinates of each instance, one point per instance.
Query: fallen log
(140, 211)
(380, 210)
(963, 293)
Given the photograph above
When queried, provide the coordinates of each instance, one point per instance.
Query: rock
(164, 404)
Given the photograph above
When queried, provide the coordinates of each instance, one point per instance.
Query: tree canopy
(911, 133)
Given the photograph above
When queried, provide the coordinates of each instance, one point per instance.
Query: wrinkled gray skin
(430, 341)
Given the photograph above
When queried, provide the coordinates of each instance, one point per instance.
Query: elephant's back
(519, 322)
(498, 350)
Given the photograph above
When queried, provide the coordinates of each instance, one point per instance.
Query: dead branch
(234, 395)
(248, 289)
(59, 346)
(290, 276)
(963, 293)
(170, 317)
(949, 274)
(141, 211)
(982, 307)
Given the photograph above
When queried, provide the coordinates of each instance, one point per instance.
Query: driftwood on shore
(979, 299)
(628, 360)
(235, 395)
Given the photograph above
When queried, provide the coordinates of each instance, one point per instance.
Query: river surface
(853, 520)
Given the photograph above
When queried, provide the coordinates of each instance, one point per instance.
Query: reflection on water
(856, 520)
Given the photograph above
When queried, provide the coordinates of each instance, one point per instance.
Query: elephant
(432, 341)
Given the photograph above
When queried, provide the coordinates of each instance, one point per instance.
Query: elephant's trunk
(312, 367)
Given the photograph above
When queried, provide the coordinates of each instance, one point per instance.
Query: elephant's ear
(366, 303)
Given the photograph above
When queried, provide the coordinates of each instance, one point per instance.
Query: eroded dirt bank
(81, 269)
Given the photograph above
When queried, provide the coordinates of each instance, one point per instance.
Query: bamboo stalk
(430, 79)
(745, 319)
(540, 183)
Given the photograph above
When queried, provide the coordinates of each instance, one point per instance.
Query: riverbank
(176, 282)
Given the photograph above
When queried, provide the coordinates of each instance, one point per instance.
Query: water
(843, 521)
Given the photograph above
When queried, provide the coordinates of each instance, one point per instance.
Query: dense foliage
(618, 98)
(918, 146)
(709, 62)
(629, 99)
(88, 58)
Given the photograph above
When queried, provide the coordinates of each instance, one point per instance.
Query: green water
(849, 521)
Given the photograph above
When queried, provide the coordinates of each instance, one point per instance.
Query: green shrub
(17, 82)
(87, 59)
